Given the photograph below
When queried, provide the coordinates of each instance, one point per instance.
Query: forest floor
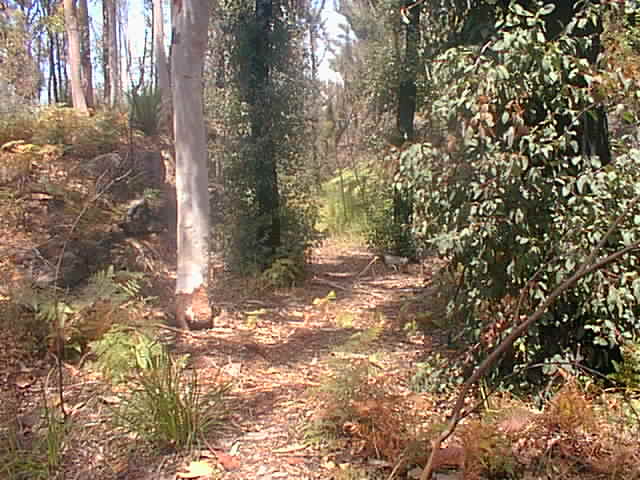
(277, 349)
(293, 358)
(273, 347)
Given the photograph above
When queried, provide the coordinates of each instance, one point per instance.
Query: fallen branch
(588, 267)
(329, 283)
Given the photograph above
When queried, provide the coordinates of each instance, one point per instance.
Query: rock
(106, 164)
(141, 218)
(73, 270)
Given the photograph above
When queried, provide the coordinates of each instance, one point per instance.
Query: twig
(366, 269)
(180, 331)
(329, 283)
(588, 267)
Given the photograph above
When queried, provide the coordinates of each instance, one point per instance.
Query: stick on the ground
(588, 267)
(366, 269)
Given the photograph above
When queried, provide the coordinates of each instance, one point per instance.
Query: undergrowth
(67, 323)
(170, 407)
(358, 410)
(33, 452)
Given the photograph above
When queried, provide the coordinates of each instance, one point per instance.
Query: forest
(341, 240)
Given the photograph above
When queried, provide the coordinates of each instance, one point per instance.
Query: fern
(124, 350)
(72, 321)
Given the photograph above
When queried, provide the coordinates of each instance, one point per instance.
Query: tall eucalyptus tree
(161, 63)
(190, 20)
(266, 173)
(73, 34)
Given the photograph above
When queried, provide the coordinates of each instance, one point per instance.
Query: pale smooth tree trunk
(85, 52)
(105, 52)
(73, 32)
(190, 19)
(113, 52)
(162, 66)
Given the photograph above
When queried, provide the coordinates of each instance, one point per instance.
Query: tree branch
(588, 267)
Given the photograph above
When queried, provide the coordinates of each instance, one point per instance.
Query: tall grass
(347, 201)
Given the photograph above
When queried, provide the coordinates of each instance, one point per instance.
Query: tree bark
(265, 169)
(161, 63)
(407, 101)
(111, 40)
(73, 33)
(105, 52)
(190, 19)
(85, 52)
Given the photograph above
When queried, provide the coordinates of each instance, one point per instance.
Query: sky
(332, 21)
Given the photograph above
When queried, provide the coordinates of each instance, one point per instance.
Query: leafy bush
(145, 110)
(81, 135)
(386, 234)
(168, 406)
(283, 272)
(17, 126)
(517, 203)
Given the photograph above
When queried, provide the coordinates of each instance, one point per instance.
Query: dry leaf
(228, 462)
(196, 470)
(24, 380)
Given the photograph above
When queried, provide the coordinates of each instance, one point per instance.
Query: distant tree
(407, 97)
(73, 35)
(161, 63)
(19, 74)
(85, 51)
(110, 46)
(190, 19)
(266, 174)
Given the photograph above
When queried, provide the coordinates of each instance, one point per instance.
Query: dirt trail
(275, 348)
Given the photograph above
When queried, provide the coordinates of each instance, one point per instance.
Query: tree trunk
(85, 52)
(105, 52)
(162, 66)
(73, 32)
(190, 22)
(111, 40)
(265, 170)
(407, 100)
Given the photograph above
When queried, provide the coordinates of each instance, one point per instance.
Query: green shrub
(169, 407)
(145, 109)
(283, 272)
(386, 235)
(70, 322)
(517, 203)
(81, 135)
(17, 126)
